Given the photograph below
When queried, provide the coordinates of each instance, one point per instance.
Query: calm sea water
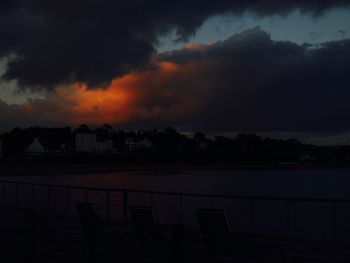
(327, 183)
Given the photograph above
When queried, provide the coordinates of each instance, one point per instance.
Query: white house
(41, 147)
(36, 148)
(104, 147)
(146, 144)
(131, 144)
(85, 142)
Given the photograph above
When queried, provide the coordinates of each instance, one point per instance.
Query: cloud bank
(248, 82)
(60, 42)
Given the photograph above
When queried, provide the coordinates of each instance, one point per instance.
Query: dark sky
(99, 61)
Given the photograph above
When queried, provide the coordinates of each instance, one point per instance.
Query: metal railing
(12, 192)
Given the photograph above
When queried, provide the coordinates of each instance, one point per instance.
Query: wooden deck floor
(59, 239)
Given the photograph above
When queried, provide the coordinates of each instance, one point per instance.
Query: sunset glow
(132, 97)
(97, 105)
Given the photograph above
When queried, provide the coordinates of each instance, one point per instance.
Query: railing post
(151, 199)
(213, 202)
(31, 236)
(251, 211)
(67, 199)
(125, 205)
(108, 205)
(17, 197)
(335, 221)
(178, 244)
(181, 209)
(86, 195)
(32, 197)
(288, 218)
(3, 192)
(48, 197)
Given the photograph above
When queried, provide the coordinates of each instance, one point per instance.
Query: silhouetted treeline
(168, 146)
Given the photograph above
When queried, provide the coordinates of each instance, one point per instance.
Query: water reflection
(288, 183)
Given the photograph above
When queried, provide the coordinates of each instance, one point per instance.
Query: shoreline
(76, 169)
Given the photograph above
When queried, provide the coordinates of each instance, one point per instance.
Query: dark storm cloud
(248, 82)
(258, 84)
(61, 41)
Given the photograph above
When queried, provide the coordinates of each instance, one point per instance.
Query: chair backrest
(216, 229)
(89, 219)
(146, 224)
(87, 211)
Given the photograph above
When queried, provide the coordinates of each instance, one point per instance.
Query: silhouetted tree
(105, 132)
(83, 128)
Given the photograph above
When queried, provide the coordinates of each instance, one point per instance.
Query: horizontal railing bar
(292, 239)
(63, 186)
(263, 198)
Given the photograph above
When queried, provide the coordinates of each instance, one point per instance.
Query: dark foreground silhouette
(28, 236)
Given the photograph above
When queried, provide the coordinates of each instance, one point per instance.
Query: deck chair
(155, 240)
(147, 226)
(101, 241)
(88, 214)
(217, 231)
(216, 228)
(91, 227)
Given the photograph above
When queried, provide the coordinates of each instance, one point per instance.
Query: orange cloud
(96, 105)
(27, 107)
(169, 94)
(138, 96)
(168, 66)
(194, 46)
(164, 95)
